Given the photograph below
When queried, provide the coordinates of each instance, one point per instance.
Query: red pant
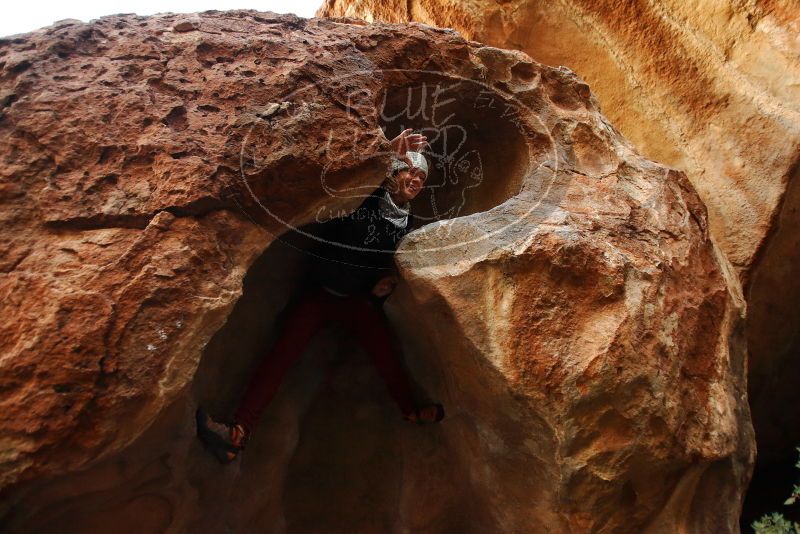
(316, 309)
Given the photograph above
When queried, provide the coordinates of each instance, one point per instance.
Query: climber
(352, 275)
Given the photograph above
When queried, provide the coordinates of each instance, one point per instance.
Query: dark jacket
(357, 250)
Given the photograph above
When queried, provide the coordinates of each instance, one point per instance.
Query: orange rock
(565, 301)
(710, 89)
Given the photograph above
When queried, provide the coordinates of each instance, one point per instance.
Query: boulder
(710, 88)
(563, 299)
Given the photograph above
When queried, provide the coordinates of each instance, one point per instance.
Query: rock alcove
(343, 460)
(575, 317)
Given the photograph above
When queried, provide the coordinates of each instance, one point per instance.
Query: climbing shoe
(223, 440)
(432, 413)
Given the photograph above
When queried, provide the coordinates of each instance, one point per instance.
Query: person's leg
(303, 320)
(371, 329)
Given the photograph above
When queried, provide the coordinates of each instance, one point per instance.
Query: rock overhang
(579, 256)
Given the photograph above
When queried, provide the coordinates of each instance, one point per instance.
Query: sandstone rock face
(564, 300)
(711, 88)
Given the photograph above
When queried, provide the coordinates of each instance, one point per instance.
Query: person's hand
(384, 286)
(408, 142)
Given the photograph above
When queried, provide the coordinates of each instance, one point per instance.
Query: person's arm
(407, 142)
(386, 284)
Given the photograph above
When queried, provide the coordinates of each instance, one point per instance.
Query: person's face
(409, 183)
